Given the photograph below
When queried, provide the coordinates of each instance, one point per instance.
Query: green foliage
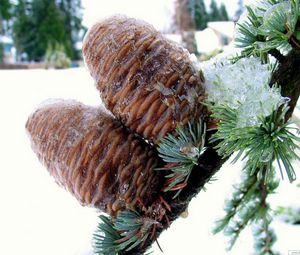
(264, 237)
(124, 233)
(5, 15)
(1, 53)
(22, 23)
(5, 11)
(247, 205)
(199, 14)
(40, 23)
(134, 229)
(214, 14)
(271, 141)
(181, 152)
(105, 237)
(71, 11)
(262, 145)
(223, 13)
(269, 25)
(289, 214)
(57, 58)
(242, 194)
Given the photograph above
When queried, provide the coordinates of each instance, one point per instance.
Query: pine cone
(145, 80)
(91, 154)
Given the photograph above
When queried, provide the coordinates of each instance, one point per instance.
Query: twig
(276, 54)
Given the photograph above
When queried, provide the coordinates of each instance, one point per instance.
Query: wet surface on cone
(93, 156)
(145, 80)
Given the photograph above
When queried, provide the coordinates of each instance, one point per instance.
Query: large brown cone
(89, 153)
(145, 80)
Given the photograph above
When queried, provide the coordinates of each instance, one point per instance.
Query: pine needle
(124, 233)
(181, 153)
(262, 145)
(269, 25)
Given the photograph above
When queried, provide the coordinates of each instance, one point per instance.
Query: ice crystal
(243, 86)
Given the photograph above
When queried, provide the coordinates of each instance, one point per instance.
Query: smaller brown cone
(93, 156)
(145, 80)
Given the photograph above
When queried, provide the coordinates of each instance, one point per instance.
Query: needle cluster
(269, 25)
(181, 152)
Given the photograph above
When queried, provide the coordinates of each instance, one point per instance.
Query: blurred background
(49, 33)
(40, 58)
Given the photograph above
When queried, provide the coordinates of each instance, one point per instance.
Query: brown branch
(295, 42)
(288, 77)
(207, 166)
(263, 188)
(276, 54)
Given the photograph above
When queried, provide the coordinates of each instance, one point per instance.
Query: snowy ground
(39, 218)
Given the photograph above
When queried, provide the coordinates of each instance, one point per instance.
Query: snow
(38, 217)
(5, 39)
(244, 86)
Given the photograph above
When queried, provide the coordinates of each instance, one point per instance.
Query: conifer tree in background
(201, 16)
(22, 23)
(5, 15)
(71, 10)
(1, 52)
(223, 13)
(214, 14)
(199, 13)
(40, 24)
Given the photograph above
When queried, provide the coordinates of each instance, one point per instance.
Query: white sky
(156, 12)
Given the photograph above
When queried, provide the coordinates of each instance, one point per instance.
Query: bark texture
(288, 77)
(208, 165)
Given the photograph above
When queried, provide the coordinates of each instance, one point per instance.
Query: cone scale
(145, 80)
(93, 156)
(150, 86)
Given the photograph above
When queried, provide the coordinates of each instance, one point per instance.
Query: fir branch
(248, 205)
(124, 233)
(245, 216)
(242, 194)
(248, 36)
(272, 141)
(269, 26)
(105, 237)
(264, 237)
(181, 153)
(134, 229)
